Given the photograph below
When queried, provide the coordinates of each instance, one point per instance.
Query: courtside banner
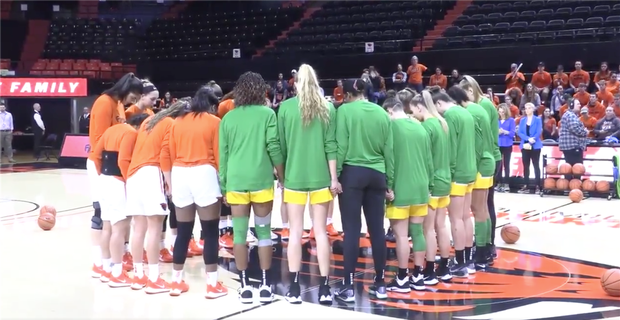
(75, 146)
(43, 87)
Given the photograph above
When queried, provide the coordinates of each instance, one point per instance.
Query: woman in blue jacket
(530, 131)
(505, 141)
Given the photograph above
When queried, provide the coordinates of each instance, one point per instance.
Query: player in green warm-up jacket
(463, 170)
(471, 86)
(366, 173)
(413, 176)
(485, 164)
(249, 150)
(436, 233)
(307, 130)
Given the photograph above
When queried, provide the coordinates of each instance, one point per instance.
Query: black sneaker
(430, 278)
(492, 251)
(294, 294)
(246, 294)
(471, 267)
(265, 294)
(443, 273)
(345, 293)
(417, 283)
(325, 294)
(399, 285)
(378, 290)
(459, 270)
(389, 236)
(480, 259)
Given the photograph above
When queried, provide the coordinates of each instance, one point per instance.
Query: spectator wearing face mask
(608, 126)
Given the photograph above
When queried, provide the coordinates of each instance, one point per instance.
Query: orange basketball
(588, 185)
(602, 186)
(566, 168)
(579, 168)
(46, 221)
(574, 184)
(48, 209)
(551, 168)
(510, 234)
(549, 183)
(575, 195)
(610, 281)
(561, 184)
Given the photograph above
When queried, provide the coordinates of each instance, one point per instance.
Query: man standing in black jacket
(85, 121)
(38, 129)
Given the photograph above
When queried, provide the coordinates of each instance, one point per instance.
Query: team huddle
(430, 155)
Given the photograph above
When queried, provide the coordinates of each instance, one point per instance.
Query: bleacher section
(486, 24)
(12, 32)
(93, 68)
(212, 29)
(343, 27)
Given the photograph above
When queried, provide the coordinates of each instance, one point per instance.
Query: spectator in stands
(378, 84)
(291, 81)
(492, 96)
(603, 95)
(84, 121)
(6, 132)
(514, 110)
(505, 141)
(579, 76)
(557, 101)
(588, 121)
(582, 94)
(414, 74)
(530, 96)
(514, 78)
(607, 126)
(561, 79)
(438, 79)
(167, 101)
(530, 131)
(279, 95)
(541, 80)
(603, 74)
(515, 94)
(455, 78)
(550, 128)
(572, 141)
(616, 105)
(368, 88)
(595, 108)
(38, 129)
(281, 79)
(338, 94)
(399, 78)
(613, 85)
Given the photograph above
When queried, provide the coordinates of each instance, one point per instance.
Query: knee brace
(211, 234)
(416, 232)
(95, 222)
(240, 229)
(173, 214)
(263, 230)
(184, 235)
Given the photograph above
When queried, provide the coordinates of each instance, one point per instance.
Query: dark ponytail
(204, 100)
(354, 87)
(126, 85)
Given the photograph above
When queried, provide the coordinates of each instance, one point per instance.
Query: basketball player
(471, 86)
(112, 157)
(463, 171)
(249, 150)
(193, 181)
(485, 163)
(107, 111)
(408, 204)
(435, 230)
(146, 102)
(307, 127)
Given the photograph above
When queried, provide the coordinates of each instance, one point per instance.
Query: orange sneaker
(159, 286)
(138, 283)
(214, 292)
(194, 249)
(311, 234)
(165, 256)
(285, 234)
(105, 276)
(176, 288)
(121, 281)
(127, 262)
(226, 241)
(331, 231)
(96, 272)
(189, 252)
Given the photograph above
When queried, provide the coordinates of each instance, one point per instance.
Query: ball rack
(612, 193)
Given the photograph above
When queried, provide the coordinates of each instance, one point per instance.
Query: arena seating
(344, 27)
(13, 32)
(212, 29)
(485, 24)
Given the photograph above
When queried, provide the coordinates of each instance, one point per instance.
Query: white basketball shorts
(145, 193)
(113, 201)
(93, 180)
(199, 185)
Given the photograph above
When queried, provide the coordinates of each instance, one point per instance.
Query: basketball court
(552, 272)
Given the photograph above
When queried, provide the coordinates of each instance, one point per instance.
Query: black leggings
(491, 203)
(531, 157)
(505, 165)
(362, 188)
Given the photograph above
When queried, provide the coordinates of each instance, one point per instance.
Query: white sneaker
(251, 238)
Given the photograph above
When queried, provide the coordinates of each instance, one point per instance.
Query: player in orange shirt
(541, 80)
(112, 156)
(194, 185)
(106, 111)
(146, 102)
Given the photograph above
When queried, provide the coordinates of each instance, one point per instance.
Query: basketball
(574, 184)
(579, 168)
(549, 183)
(566, 168)
(561, 184)
(48, 209)
(602, 186)
(46, 221)
(551, 168)
(510, 234)
(588, 185)
(610, 282)
(575, 195)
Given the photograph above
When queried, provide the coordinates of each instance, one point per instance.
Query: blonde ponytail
(469, 82)
(430, 106)
(311, 103)
(175, 110)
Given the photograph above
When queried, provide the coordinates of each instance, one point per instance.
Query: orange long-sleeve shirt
(414, 73)
(224, 107)
(194, 141)
(541, 79)
(613, 87)
(560, 80)
(121, 139)
(106, 112)
(438, 80)
(589, 123)
(148, 149)
(597, 110)
(605, 97)
(583, 97)
(514, 82)
(135, 110)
